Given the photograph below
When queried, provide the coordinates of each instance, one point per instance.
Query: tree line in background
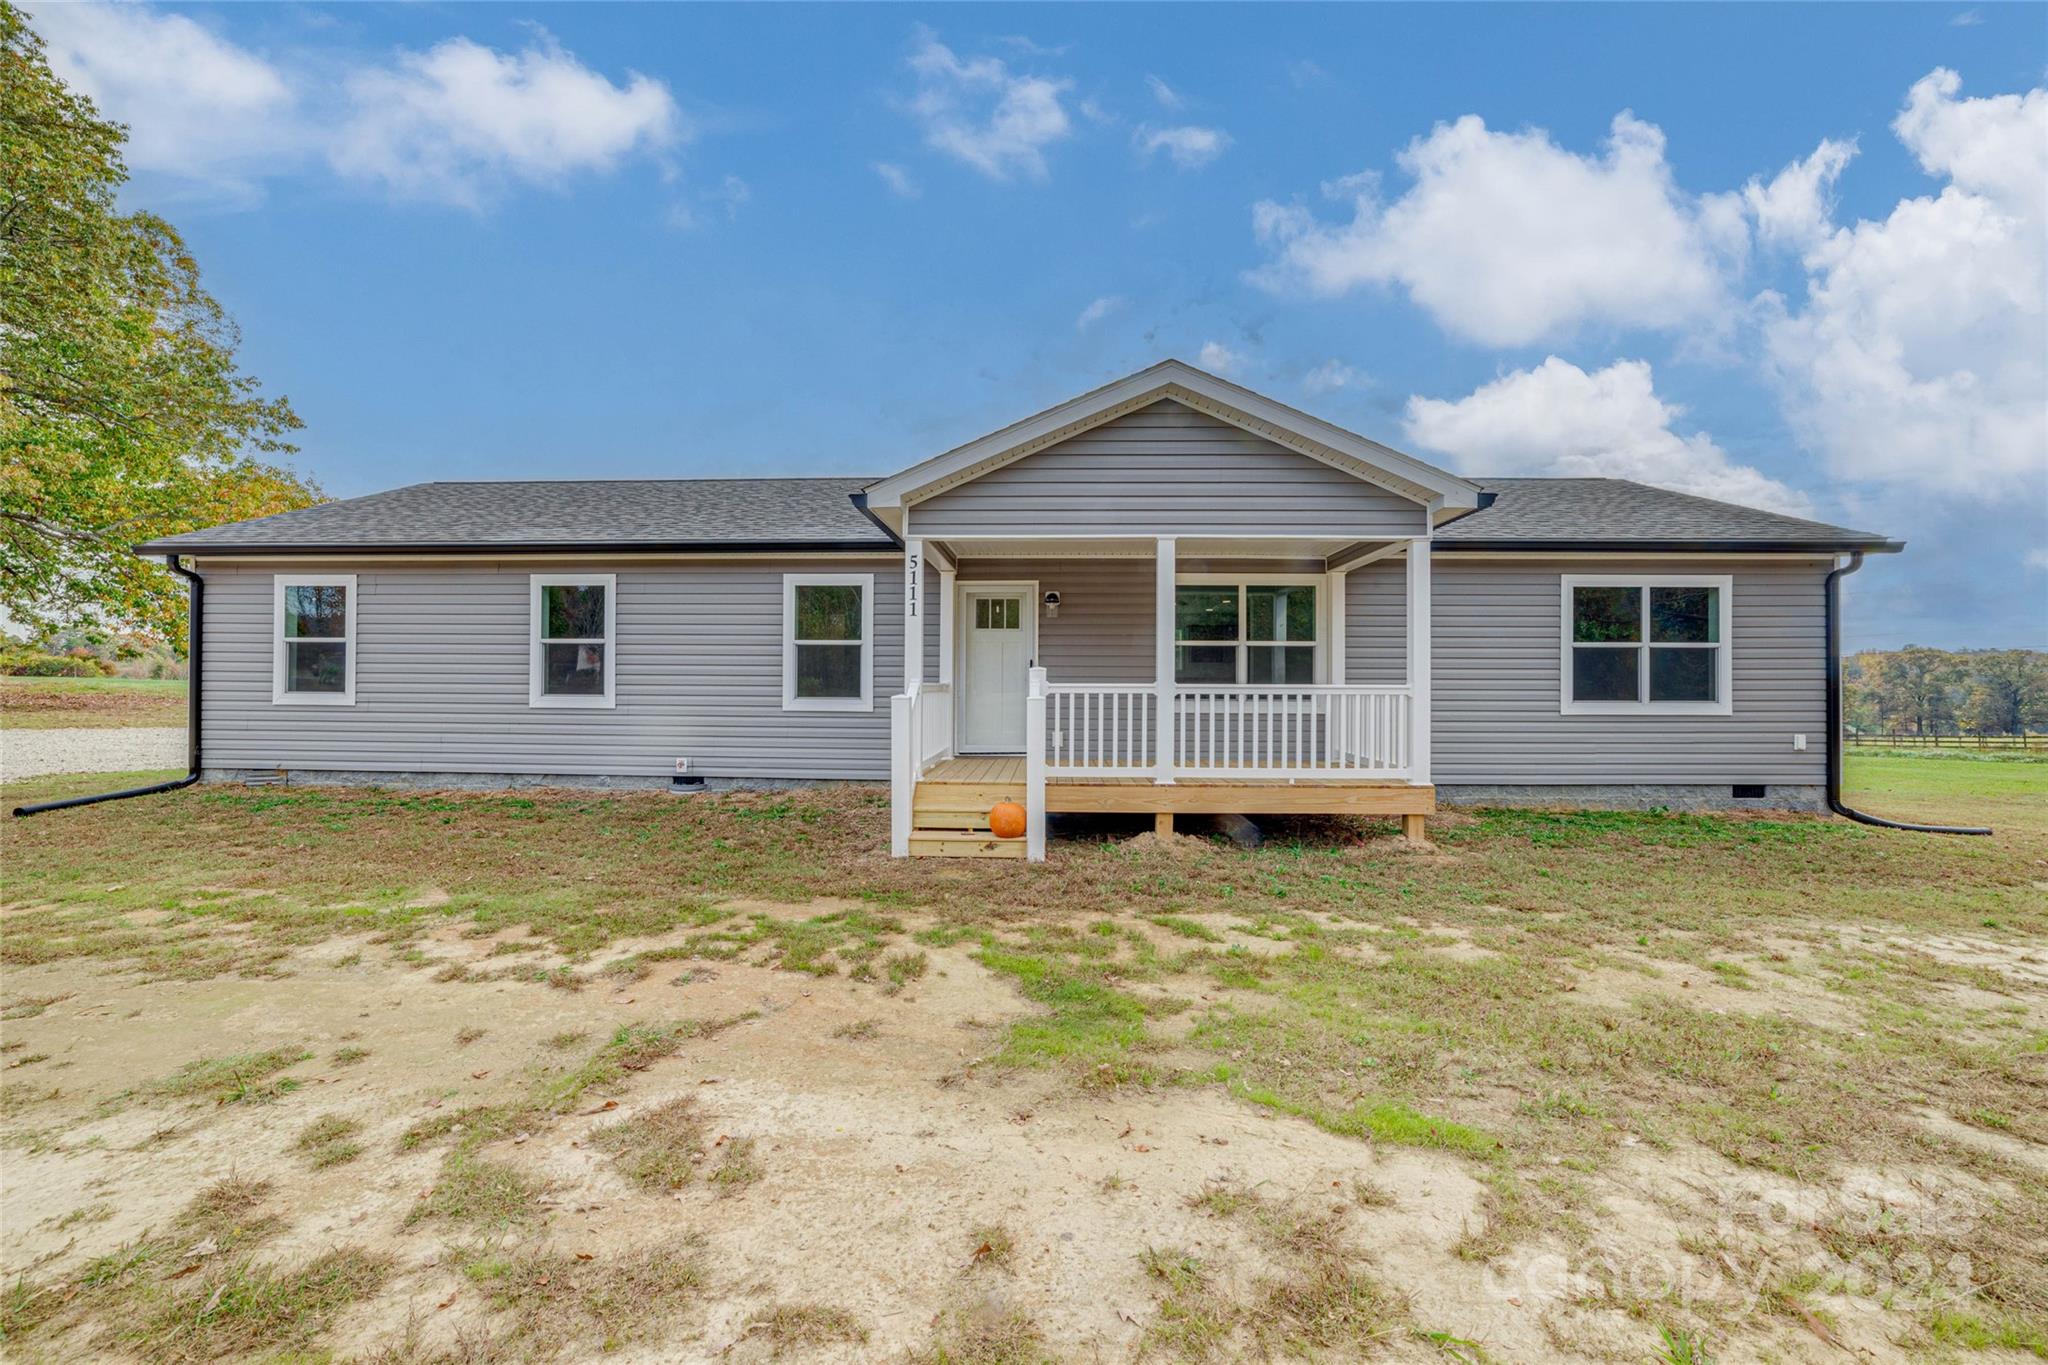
(1922, 691)
(123, 413)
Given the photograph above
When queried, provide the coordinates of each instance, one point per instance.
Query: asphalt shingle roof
(1613, 512)
(731, 514)
(716, 514)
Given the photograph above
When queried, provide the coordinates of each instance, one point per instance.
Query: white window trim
(1241, 581)
(1724, 680)
(279, 696)
(536, 656)
(866, 583)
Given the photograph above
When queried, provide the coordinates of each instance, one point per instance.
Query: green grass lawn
(98, 703)
(1570, 1007)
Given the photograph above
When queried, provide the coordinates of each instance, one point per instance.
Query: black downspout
(1835, 727)
(197, 621)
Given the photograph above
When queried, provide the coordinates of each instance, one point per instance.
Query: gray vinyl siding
(1494, 661)
(1376, 624)
(1104, 630)
(1163, 470)
(441, 676)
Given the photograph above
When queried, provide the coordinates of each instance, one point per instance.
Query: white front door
(1001, 628)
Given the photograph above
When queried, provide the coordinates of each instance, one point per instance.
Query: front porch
(1287, 675)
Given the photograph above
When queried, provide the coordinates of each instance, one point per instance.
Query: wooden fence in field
(2030, 744)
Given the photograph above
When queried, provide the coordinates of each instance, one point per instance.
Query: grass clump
(349, 1056)
(559, 1303)
(658, 1149)
(986, 1337)
(1319, 1297)
(993, 1248)
(904, 968)
(329, 1142)
(635, 1047)
(788, 1325)
(244, 1078)
(224, 1213)
(1090, 1022)
(242, 1309)
(738, 1167)
(478, 1193)
(1186, 928)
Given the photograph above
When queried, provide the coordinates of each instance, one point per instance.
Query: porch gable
(1137, 443)
(1167, 469)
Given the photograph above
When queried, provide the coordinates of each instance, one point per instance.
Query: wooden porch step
(935, 843)
(966, 795)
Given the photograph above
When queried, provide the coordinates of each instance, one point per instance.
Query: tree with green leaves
(123, 415)
(2008, 693)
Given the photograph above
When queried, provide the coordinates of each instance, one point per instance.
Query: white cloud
(1168, 97)
(1098, 310)
(456, 121)
(1217, 357)
(1969, 18)
(1917, 354)
(897, 179)
(2038, 559)
(1190, 147)
(977, 111)
(1331, 375)
(1559, 421)
(1796, 208)
(1508, 238)
(197, 106)
(453, 123)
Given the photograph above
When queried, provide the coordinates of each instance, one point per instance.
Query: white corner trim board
(282, 675)
(538, 642)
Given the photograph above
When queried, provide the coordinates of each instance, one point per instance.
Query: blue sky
(1790, 255)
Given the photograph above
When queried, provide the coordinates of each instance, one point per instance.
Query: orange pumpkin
(1007, 820)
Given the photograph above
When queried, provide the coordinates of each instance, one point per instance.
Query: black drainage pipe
(197, 620)
(1835, 803)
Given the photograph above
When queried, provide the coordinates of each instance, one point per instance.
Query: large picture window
(1646, 643)
(314, 640)
(828, 628)
(1258, 633)
(573, 624)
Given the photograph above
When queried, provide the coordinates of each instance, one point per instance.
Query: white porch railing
(920, 734)
(1295, 733)
(1100, 729)
(1292, 732)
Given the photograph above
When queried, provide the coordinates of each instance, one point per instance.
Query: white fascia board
(1204, 392)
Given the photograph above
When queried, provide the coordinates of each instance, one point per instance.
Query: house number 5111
(913, 567)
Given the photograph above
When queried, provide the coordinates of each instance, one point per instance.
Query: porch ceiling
(1144, 547)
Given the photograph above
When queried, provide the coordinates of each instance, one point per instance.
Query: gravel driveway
(31, 753)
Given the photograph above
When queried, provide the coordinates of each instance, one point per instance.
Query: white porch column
(1339, 669)
(946, 579)
(913, 613)
(1418, 659)
(1162, 630)
(1034, 766)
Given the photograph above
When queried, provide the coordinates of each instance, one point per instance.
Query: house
(1169, 595)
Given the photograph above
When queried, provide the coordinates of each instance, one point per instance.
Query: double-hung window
(574, 626)
(313, 640)
(1260, 632)
(1634, 643)
(828, 630)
